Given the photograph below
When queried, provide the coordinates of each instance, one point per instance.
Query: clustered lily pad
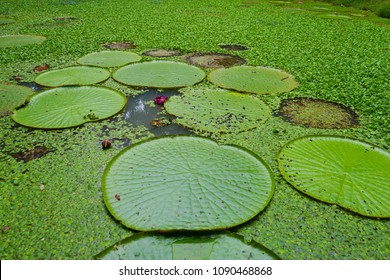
(218, 111)
(109, 58)
(69, 106)
(12, 96)
(185, 183)
(213, 246)
(75, 75)
(253, 79)
(20, 40)
(159, 74)
(342, 171)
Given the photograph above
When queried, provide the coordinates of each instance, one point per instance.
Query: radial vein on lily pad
(343, 171)
(185, 183)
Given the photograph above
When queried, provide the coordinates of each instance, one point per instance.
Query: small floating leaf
(109, 58)
(20, 40)
(342, 171)
(69, 106)
(75, 75)
(253, 79)
(159, 74)
(12, 96)
(215, 246)
(218, 111)
(185, 183)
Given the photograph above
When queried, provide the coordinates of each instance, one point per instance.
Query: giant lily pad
(185, 183)
(20, 40)
(253, 79)
(218, 111)
(159, 74)
(342, 171)
(69, 106)
(12, 96)
(109, 58)
(75, 75)
(152, 246)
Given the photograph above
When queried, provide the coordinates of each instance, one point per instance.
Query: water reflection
(140, 110)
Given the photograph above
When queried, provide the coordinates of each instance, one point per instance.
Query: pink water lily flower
(160, 100)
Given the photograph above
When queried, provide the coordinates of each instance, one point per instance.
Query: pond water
(141, 110)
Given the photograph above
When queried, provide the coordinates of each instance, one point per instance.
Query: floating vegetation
(74, 75)
(334, 16)
(120, 45)
(317, 113)
(6, 20)
(233, 47)
(342, 171)
(109, 58)
(159, 74)
(214, 60)
(253, 79)
(185, 183)
(162, 53)
(29, 155)
(8, 41)
(211, 246)
(69, 106)
(218, 111)
(12, 96)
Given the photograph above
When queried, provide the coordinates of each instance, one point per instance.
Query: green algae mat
(52, 202)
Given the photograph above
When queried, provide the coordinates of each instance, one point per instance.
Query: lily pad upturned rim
(333, 137)
(68, 87)
(92, 82)
(183, 238)
(187, 229)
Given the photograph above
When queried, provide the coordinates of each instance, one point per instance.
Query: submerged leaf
(185, 183)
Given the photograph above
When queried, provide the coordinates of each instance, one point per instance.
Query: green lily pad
(185, 183)
(109, 58)
(20, 40)
(159, 74)
(75, 75)
(334, 16)
(215, 246)
(352, 174)
(69, 106)
(253, 79)
(218, 111)
(12, 96)
(6, 20)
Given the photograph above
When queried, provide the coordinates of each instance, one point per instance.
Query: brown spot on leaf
(117, 197)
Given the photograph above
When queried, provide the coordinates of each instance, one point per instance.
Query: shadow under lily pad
(317, 113)
(214, 60)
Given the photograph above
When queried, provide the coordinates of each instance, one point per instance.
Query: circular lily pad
(20, 40)
(69, 106)
(75, 75)
(213, 60)
(216, 246)
(185, 183)
(317, 113)
(159, 74)
(6, 20)
(162, 53)
(253, 79)
(342, 171)
(109, 58)
(12, 96)
(218, 111)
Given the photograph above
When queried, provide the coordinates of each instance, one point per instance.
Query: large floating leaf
(347, 172)
(253, 79)
(216, 246)
(75, 75)
(69, 106)
(185, 183)
(109, 58)
(159, 74)
(20, 40)
(12, 96)
(218, 111)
